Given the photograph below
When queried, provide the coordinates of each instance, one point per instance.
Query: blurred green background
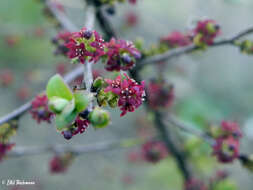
(213, 85)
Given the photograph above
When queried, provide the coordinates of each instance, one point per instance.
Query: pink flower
(231, 128)
(176, 39)
(85, 45)
(129, 91)
(4, 148)
(121, 55)
(154, 151)
(40, 111)
(195, 184)
(208, 30)
(226, 149)
(81, 125)
(160, 94)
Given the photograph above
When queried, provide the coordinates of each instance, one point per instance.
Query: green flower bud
(99, 118)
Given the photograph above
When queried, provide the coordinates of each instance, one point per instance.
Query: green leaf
(82, 100)
(57, 87)
(66, 117)
(57, 104)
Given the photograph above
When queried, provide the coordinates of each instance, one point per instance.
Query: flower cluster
(59, 41)
(40, 111)
(176, 39)
(60, 163)
(154, 151)
(4, 148)
(205, 32)
(227, 144)
(80, 125)
(120, 55)
(195, 184)
(85, 45)
(246, 47)
(160, 94)
(130, 93)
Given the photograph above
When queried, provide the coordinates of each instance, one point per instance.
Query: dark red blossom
(81, 125)
(231, 128)
(85, 45)
(195, 184)
(226, 149)
(132, 1)
(131, 19)
(4, 148)
(60, 40)
(129, 91)
(206, 31)
(176, 39)
(160, 94)
(120, 55)
(40, 111)
(60, 163)
(154, 151)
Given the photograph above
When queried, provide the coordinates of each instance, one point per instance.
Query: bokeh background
(210, 86)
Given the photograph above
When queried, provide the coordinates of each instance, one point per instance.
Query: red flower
(60, 163)
(129, 91)
(85, 45)
(231, 128)
(60, 40)
(131, 19)
(176, 39)
(208, 30)
(226, 149)
(121, 55)
(81, 125)
(4, 148)
(195, 184)
(154, 151)
(160, 94)
(132, 1)
(40, 111)
(6, 77)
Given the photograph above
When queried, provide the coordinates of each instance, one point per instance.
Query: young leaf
(81, 100)
(57, 87)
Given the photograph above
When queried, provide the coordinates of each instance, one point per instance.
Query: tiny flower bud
(67, 135)
(99, 118)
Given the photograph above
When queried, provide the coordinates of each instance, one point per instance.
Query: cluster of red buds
(120, 55)
(59, 41)
(85, 45)
(4, 149)
(205, 32)
(154, 151)
(88, 45)
(160, 94)
(130, 93)
(195, 184)
(60, 163)
(226, 147)
(40, 110)
(176, 39)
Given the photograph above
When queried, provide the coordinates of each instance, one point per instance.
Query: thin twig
(177, 123)
(188, 49)
(80, 149)
(61, 17)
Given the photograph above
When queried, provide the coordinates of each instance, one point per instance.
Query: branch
(173, 149)
(177, 123)
(103, 146)
(188, 49)
(24, 108)
(61, 17)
